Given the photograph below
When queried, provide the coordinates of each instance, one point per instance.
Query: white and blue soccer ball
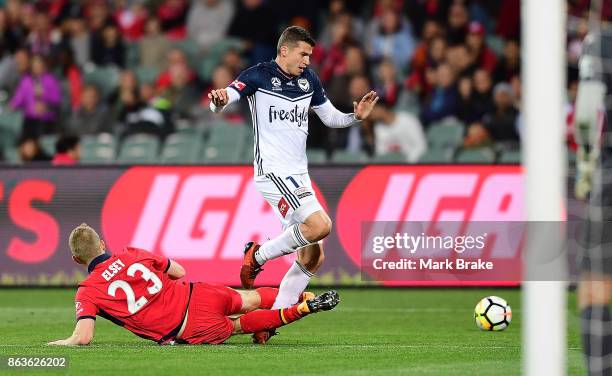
(492, 313)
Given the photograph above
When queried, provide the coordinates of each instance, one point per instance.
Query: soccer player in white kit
(280, 93)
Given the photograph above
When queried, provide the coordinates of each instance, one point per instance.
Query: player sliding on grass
(141, 292)
(280, 92)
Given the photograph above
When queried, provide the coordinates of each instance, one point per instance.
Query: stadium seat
(11, 155)
(480, 155)
(390, 158)
(226, 144)
(105, 79)
(99, 148)
(139, 148)
(11, 123)
(181, 148)
(348, 157)
(47, 143)
(444, 135)
(437, 156)
(146, 75)
(511, 156)
(316, 156)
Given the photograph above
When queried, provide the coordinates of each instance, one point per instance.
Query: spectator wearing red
(484, 57)
(333, 62)
(131, 19)
(67, 151)
(176, 58)
(387, 85)
(173, 17)
(419, 80)
(72, 75)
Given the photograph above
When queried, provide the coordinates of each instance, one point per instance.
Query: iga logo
(428, 194)
(200, 216)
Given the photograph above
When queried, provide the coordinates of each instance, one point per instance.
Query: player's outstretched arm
(82, 335)
(333, 118)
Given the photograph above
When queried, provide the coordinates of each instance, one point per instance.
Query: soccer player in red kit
(142, 292)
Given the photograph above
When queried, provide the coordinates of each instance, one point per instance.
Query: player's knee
(323, 228)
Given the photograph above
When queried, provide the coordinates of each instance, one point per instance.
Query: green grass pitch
(371, 332)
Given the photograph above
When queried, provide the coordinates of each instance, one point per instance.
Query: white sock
(287, 242)
(292, 286)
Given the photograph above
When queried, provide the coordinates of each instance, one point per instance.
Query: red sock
(266, 319)
(268, 296)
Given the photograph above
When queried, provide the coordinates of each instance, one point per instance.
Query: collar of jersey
(286, 75)
(103, 257)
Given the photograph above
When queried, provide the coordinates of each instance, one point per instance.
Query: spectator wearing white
(208, 21)
(396, 131)
(393, 39)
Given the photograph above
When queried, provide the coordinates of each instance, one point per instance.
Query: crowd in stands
(77, 69)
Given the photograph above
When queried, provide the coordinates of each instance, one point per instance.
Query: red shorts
(209, 308)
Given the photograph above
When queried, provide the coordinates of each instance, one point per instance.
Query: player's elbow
(180, 273)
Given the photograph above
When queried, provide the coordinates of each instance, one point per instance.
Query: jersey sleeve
(318, 97)
(246, 83)
(85, 306)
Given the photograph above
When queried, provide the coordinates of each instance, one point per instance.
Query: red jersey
(132, 289)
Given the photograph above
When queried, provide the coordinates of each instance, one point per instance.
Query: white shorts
(291, 196)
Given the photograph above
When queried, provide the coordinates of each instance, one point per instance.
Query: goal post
(544, 158)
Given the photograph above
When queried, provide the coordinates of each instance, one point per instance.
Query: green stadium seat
(316, 156)
(146, 75)
(99, 148)
(105, 79)
(11, 124)
(11, 155)
(181, 148)
(444, 135)
(347, 157)
(139, 148)
(480, 155)
(511, 156)
(390, 158)
(47, 143)
(221, 154)
(437, 156)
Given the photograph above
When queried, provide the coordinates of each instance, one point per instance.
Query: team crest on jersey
(78, 307)
(276, 83)
(303, 84)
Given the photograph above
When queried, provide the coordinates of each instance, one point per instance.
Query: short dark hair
(66, 143)
(292, 35)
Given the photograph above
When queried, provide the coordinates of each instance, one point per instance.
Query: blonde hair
(84, 242)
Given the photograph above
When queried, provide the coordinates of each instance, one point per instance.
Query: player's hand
(365, 105)
(219, 97)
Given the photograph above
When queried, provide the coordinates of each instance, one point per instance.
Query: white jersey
(279, 110)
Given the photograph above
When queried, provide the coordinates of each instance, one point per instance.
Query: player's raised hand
(365, 105)
(219, 97)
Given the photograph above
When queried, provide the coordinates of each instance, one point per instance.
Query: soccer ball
(492, 313)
